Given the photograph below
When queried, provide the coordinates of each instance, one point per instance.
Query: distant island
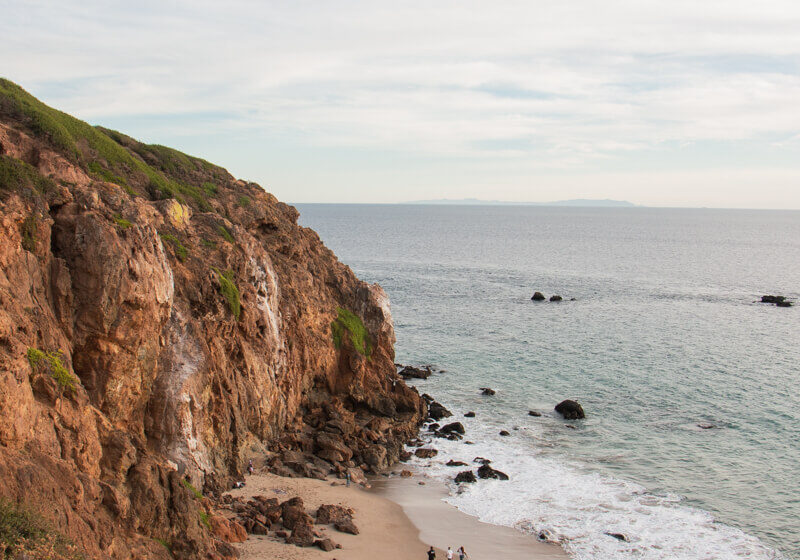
(580, 202)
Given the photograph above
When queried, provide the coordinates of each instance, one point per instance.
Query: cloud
(550, 85)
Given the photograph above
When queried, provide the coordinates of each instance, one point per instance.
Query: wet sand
(443, 525)
(398, 520)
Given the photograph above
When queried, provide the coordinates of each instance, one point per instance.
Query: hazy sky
(669, 103)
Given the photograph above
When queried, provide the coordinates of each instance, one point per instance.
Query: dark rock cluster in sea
(779, 301)
(539, 296)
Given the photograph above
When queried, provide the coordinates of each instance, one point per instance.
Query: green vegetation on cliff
(347, 321)
(228, 289)
(16, 175)
(52, 363)
(158, 172)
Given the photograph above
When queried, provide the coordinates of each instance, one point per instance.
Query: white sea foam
(578, 508)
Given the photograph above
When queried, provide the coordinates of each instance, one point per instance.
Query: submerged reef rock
(161, 324)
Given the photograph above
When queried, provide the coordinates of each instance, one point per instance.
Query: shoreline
(397, 518)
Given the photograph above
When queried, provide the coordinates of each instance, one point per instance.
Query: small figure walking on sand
(462, 554)
(250, 468)
(347, 477)
(431, 554)
(449, 553)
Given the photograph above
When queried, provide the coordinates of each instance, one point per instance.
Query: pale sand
(386, 530)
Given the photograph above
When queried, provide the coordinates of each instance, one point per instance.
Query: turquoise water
(663, 336)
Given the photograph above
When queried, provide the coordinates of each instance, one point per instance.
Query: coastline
(397, 518)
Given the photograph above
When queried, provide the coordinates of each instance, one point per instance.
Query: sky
(662, 103)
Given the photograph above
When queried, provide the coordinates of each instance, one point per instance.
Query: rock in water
(469, 414)
(556, 298)
(773, 299)
(410, 372)
(504, 433)
(538, 296)
(456, 427)
(453, 463)
(437, 411)
(487, 391)
(485, 471)
(466, 476)
(425, 452)
(571, 410)
(534, 413)
(618, 536)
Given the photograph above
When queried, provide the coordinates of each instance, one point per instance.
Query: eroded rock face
(174, 377)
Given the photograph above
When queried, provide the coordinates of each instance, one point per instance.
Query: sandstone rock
(328, 513)
(466, 476)
(346, 527)
(302, 534)
(571, 410)
(325, 544)
(192, 332)
(228, 531)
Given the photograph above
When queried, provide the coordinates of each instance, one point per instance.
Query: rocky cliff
(162, 323)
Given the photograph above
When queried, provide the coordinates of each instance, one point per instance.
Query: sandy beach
(398, 519)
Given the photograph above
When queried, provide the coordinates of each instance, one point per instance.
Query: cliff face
(162, 321)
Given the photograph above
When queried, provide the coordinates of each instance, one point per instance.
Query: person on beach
(431, 554)
(462, 554)
(449, 553)
(250, 467)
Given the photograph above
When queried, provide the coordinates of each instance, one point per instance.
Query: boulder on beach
(346, 527)
(534, 413)
(571, 410)
(329, 513)
(537, 296)
(325, 544)
(466, 476)
(485, 471)
(556, 298)
(487, 391)
(456, 427)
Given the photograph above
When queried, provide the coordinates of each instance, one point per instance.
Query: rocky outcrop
(571, 410)
(161, 323)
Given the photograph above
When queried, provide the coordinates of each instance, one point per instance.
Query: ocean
(691, 445)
